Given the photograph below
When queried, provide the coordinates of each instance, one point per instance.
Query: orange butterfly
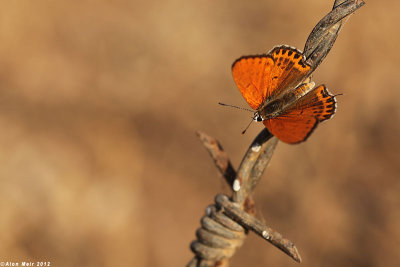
(285, 100)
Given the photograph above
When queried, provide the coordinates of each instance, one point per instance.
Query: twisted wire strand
(219, 236)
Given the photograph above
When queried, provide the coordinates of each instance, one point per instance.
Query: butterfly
(277, 86)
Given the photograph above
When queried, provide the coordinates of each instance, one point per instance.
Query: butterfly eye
(258, 117)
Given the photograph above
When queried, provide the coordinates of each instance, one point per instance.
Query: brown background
(99, 104)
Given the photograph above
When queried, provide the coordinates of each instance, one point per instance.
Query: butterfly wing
(263, 76)
(300, 119)
(291, 128)
(252, 76)
(289, 71)
(319, 102)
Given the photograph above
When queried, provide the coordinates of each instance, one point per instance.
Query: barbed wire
(226, 223)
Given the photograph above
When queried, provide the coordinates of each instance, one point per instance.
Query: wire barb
(219, 156)
(251, 223)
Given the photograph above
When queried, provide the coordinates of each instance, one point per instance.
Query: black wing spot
(325, 93)
(302, 63)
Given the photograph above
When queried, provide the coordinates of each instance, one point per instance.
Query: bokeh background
(99, 104)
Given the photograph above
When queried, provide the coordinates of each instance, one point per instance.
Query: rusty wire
(226, 223)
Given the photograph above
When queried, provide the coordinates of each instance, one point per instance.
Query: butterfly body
(271, 109)
(277, 87)
(276, 106)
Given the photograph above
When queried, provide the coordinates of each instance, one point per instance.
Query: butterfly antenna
(252, 119)
(232, 106)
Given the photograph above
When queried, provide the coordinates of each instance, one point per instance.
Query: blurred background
(99, 104)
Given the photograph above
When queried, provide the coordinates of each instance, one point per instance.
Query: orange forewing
(260, 77)
(252, 77)
(299, 120)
